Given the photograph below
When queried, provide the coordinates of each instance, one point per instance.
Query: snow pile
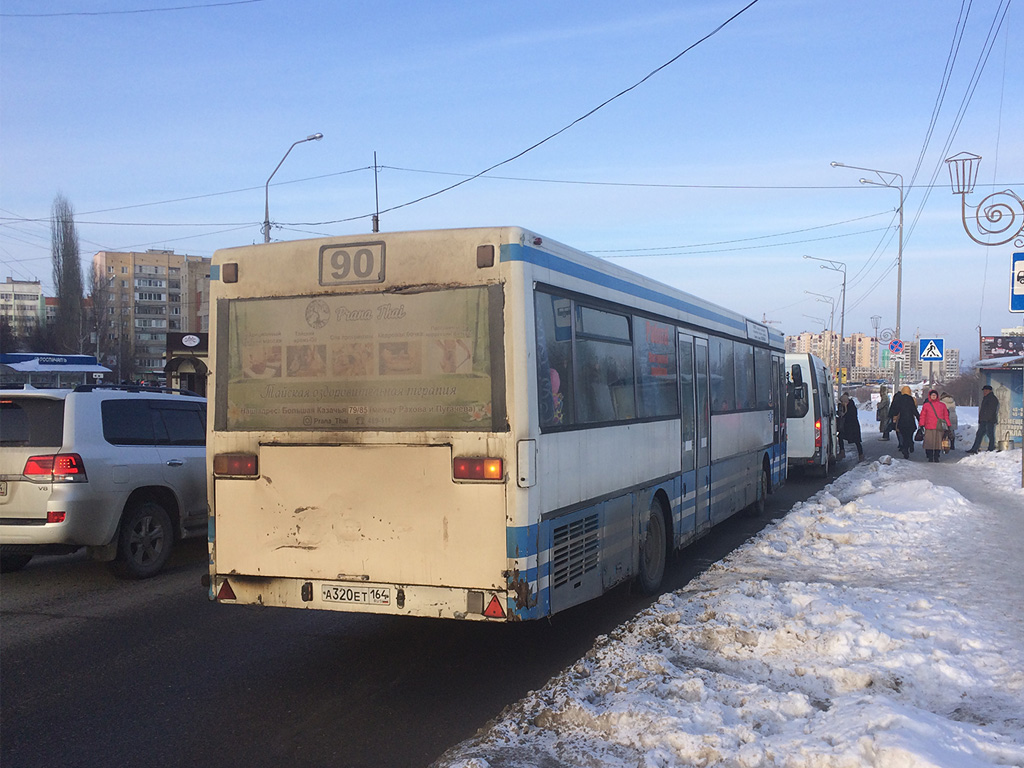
(878, 624)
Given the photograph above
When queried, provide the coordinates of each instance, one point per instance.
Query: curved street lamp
(888, 179)
(994, 217)
(830, 300)
(266, 209)
(837, 266)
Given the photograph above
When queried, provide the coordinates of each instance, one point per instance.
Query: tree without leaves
(99, 319)
(67, 276)
(9, 341)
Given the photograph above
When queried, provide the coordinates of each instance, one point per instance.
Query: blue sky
(162, 127)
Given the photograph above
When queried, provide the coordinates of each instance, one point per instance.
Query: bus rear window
(366, 361)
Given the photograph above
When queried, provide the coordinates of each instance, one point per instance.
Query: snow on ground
(880, 623)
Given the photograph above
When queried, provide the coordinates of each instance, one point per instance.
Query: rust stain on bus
(525, 598)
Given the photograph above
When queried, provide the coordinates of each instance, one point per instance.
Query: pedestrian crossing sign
(931, 350)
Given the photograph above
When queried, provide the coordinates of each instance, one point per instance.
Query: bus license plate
(345, 593)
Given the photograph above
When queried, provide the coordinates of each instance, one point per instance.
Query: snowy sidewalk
(880, 623)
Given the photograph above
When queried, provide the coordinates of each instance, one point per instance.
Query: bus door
(778, 401)
(702, 403)
(688, 437)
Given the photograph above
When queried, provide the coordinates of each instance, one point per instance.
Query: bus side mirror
(798, 377)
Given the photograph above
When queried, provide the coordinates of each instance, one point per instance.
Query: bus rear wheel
(761, 500)
(653, 551)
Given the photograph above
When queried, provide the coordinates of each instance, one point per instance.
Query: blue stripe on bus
(517, 252)
(521, 544)
(521, 541)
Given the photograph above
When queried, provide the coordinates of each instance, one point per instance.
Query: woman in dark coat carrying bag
(903, 412)
(849, 425)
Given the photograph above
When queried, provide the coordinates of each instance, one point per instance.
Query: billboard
(1001, 346)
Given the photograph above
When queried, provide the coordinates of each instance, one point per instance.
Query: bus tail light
(465, 468)
(55, 468)
(236, 465)
(817, 433)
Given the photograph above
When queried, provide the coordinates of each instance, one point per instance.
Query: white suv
(120, 470)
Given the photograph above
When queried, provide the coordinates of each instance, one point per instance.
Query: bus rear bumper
(363, 597)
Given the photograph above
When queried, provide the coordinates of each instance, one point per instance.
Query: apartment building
(144, 296)
(824, 345)
(866, 359)
(23, 304)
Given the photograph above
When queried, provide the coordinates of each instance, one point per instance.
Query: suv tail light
(55, 468)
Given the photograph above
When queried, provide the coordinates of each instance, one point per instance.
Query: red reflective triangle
(226, 592)
(494, 609)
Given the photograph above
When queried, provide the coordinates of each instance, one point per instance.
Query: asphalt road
(100, 672)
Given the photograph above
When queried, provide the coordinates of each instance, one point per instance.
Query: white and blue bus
(478, 424)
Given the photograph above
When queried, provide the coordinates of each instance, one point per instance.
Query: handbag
(941, 422)
(919, 435)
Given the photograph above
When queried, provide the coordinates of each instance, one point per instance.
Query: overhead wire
(200, 6)
(564, 128)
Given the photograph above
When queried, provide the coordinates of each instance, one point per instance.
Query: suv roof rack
(136, 388)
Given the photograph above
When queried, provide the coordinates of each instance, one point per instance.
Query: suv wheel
(144, 542)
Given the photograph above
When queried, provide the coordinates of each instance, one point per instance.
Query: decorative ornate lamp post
(999, 218)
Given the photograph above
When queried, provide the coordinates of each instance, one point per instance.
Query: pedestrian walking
(935, 422)
(903, 412)
(950, 404)
(882, 412)
(988, 412)
(849, 425)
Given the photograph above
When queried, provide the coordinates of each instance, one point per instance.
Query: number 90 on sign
(352, 263)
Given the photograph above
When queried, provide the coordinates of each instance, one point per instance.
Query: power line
(635, 255)
(127, 12)
(565, 128)
(638, 251)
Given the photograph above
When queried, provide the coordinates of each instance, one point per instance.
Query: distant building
(144, 296)
(861, 351)
(23, 304)
(866, 359)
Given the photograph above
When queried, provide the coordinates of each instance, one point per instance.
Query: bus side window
(743, 369)
(604, 366)
(723, 374)
(554, 359)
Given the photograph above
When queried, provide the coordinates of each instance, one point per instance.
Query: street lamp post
(1001, 210)
(831, 319)
(888, 179)
(266, 209)
(963, 172)
(837, 266)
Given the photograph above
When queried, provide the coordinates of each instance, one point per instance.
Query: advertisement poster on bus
(361, 361)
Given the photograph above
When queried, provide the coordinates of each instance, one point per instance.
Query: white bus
(478, 424)
(811, 421)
